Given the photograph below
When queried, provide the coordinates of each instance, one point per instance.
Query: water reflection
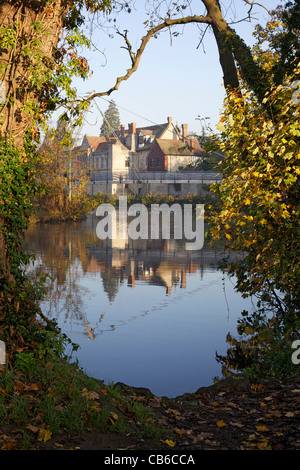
(146, 313)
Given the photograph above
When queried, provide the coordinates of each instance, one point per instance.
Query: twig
(255, 3)
(136, 57)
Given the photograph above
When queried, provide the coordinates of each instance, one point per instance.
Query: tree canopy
(259, 210)
(111, 120)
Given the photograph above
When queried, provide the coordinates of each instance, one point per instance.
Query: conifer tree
(111, 120)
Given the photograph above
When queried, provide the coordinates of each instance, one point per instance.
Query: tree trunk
(233, 49)
(230, 76)
(30, 33)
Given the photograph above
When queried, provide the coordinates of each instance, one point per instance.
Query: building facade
(161, 147)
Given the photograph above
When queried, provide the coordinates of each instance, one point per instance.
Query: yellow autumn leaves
(44, 435)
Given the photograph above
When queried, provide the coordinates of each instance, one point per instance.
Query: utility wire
(115, 135)
(176, 129)
(138, 115)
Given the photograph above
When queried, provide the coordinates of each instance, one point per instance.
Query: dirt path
(227, 416)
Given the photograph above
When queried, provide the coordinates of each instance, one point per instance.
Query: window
(158, 162)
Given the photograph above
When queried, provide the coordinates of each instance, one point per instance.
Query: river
(148, 313)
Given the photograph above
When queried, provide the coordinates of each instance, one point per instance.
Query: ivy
(17, 189)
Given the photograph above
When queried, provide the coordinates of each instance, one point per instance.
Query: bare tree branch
(232, 50)
(255, 3)
(136, 57)
(129, 47)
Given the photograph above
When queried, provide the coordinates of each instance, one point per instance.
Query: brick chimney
(132, 128)
(169, 121)
(184, 130)
(122, 130)
(131, 138)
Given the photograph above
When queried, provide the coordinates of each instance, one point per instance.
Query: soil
(230, 415)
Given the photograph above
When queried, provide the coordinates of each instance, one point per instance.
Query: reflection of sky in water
(142, 336)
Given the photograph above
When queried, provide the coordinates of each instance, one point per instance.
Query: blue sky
(174, 79)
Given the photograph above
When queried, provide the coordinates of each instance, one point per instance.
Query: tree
(111, 120)
(236, 58)
(259, 216)
(63, 176)
(39, 54)
(39, 43)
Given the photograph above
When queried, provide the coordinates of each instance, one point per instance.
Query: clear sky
(174, 78)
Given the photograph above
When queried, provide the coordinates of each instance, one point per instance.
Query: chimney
(131, 138)
(169, 121)
(184, 128)
(122, 130)
(132, 128)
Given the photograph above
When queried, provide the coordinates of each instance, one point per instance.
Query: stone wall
(174, 189)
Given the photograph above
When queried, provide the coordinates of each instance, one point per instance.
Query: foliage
(278, 43)
(148, 199)
(43, 42)
(111, 121)
(263, 349)
(40, 46)
(17, 189)
(211, 163)
(63, 177)
(259, 215)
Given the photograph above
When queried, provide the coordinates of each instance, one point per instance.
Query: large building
(161, 147)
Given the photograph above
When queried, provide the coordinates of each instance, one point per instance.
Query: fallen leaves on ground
(231, 415)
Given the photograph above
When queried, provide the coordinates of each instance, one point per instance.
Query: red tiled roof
(109, 141)
(95, 141)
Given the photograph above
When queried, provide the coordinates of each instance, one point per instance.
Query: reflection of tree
(66, 301)
(110, 284)
(62, 254)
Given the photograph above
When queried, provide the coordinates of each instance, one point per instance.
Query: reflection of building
(158, 262)
(73, 251)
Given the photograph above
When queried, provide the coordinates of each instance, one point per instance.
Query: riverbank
(47, 211)
(66, 410)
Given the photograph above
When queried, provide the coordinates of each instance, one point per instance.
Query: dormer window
(140, 139)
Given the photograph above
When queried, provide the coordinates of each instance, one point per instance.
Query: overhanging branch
(251, 4)
(136, 57)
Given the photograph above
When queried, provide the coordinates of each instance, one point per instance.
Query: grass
(54, 396)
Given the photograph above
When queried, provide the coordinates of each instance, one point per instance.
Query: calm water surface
(145, 313)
